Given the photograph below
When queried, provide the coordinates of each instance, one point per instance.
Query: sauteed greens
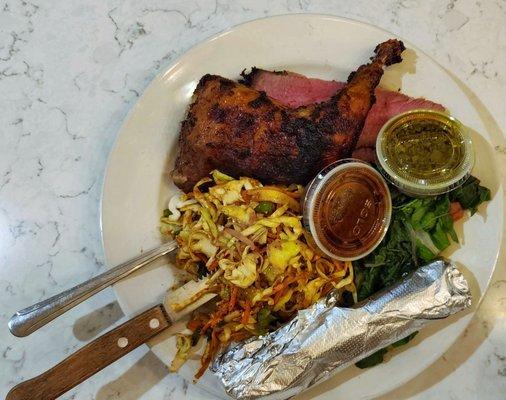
(420, 230)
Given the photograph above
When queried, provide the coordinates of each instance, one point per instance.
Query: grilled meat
(243, 132)
(295, 90)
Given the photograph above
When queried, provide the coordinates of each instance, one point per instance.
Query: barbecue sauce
(350, 212)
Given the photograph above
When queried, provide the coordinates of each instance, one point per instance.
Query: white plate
(137, 186)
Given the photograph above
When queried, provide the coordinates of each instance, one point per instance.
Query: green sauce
(423, 148)
(424, 152)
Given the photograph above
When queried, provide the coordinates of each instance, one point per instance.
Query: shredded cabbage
(242, 273)
(183, 346)
(264, 266)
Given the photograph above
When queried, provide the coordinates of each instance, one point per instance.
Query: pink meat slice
(292, 89)
(295, 90)
(365, 154)
(389, 104)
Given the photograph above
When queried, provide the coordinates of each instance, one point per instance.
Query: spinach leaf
(471, 194)
(439, 237)
(402, 251)
(405, 340)
(428, 221)
(371, 282)
(377, 357)
(418, 215)
(447, 225)
(424, 252)
(372, 360)
(392, 259)
(431, 215)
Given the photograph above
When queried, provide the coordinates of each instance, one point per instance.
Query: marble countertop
(69, 73)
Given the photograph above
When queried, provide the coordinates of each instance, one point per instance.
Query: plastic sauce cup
(347, 209)
(424, 152)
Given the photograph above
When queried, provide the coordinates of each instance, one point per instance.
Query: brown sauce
(350, 210)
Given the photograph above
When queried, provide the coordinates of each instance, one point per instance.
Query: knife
(113, 345)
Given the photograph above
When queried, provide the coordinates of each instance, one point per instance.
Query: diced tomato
(456, 211)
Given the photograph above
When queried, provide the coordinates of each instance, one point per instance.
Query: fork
(30, 319)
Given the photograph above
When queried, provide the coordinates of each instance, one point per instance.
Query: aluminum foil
(324, 339)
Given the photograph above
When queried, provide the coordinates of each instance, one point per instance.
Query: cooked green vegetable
(405, 340)
(424, 252)
(377, 357)
(265, 319)
(372, 360)
(265, 207)
(439, 237)
(420, 229)
(394, 258)
(471, 194)
(167, 213)
(431, 215)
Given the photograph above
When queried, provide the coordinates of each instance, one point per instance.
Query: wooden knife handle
(92, 358)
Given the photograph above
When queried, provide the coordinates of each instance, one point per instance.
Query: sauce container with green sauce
(424, 152)
(347, 209)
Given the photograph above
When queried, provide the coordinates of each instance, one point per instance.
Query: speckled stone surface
(69, 73)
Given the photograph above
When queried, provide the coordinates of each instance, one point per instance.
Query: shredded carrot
(211, 350)
(205, 361)
(213, 265)
(278, 287)
(302, 278)
(202, 257)
(278, 295)
(246, 313)
(208, 324)
(233, 298)
(339, 265)
(193, 324)
(216, 317)
(287, 281)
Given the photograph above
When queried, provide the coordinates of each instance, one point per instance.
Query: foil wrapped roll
(324, 339)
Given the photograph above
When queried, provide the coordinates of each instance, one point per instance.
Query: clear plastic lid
(424, 152)
(347, 209)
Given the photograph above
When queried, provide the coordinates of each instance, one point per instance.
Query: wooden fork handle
(92, 358)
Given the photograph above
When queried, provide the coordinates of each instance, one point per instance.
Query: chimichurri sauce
(425, 148)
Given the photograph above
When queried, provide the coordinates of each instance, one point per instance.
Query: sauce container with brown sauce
(424, 152)
(347, 209)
